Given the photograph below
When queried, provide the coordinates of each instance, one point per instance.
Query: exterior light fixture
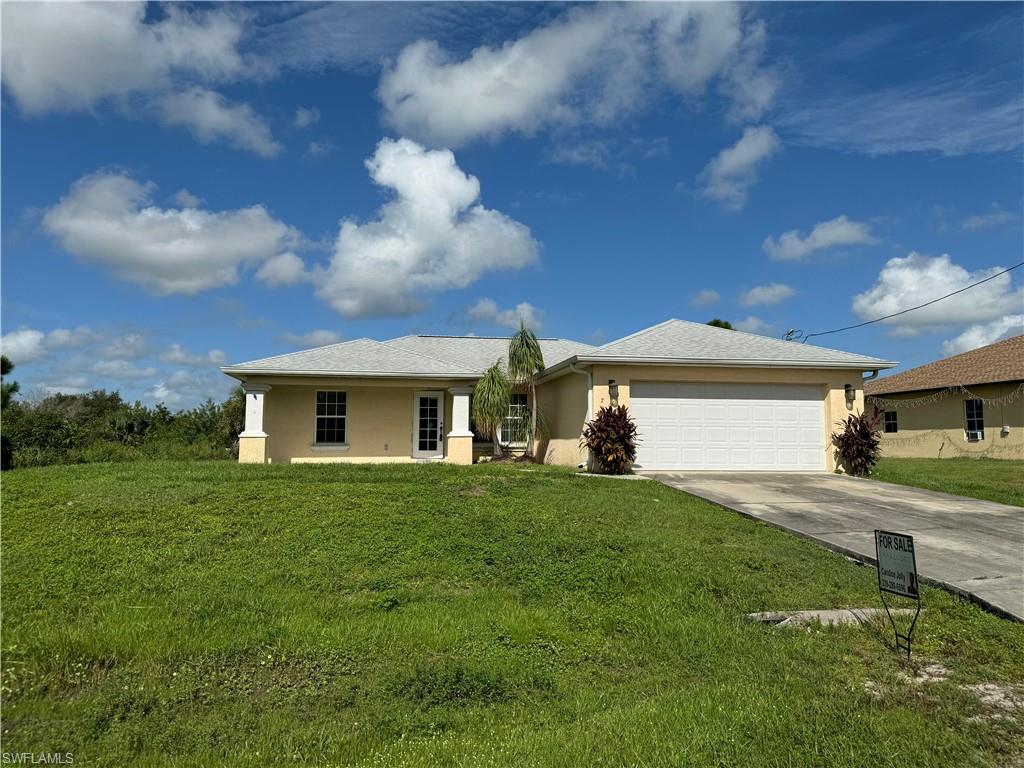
(850, 392)
(613, 391)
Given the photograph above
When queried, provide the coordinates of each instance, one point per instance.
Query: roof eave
(863, 365)
(241, 372)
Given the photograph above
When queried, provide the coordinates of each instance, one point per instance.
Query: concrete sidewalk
(972, 547)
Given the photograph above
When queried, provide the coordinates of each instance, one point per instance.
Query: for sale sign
(897, 568)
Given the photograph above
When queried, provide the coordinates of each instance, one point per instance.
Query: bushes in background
(100, 426)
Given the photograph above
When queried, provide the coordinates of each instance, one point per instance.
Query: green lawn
(993, 479)
(215, 614)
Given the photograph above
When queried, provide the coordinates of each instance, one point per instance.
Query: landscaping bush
(858, 445)
(611, 438)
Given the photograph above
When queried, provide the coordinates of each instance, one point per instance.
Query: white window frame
(317, 417)
(979, 418)
(516, 410)
(895, 423)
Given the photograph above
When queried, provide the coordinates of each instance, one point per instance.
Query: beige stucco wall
(563, 401)
(379, 420)
(832, 383)
(937, 430)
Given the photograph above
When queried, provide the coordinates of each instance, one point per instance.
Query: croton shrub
(611, 438)
(857, 443)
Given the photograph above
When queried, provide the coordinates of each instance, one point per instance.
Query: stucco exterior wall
(938, 430)
(563, 401)
(832, 383)
(379, 419)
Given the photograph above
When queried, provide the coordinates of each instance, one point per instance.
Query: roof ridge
(302, 351)
(637, 333)
(781, 341)
(462, 368)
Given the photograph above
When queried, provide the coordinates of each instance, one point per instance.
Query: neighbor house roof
(1002, 361)
(674, 342)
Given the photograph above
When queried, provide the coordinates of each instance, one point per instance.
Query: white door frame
(424, 454)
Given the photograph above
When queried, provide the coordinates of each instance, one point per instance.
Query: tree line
(102, 426)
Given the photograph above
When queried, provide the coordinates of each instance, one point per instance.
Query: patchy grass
(187, 614)
(992, 479)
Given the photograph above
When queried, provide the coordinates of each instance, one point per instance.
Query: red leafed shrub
(611, 437)
(858, 445)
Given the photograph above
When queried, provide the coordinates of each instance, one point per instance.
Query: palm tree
(490, 403)
(525, 361)
(720, 324)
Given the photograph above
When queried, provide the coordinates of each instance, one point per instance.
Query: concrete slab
(971, 547)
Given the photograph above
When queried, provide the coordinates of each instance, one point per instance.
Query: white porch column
(254, 396)
(460, 439)
(252, 441)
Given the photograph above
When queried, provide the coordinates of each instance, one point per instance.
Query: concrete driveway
(972, 547)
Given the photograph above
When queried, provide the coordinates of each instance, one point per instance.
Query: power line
(796, 334)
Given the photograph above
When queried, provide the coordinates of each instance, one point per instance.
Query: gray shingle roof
(480, 352)
(456, 357)
(687, 341)
(362, 356)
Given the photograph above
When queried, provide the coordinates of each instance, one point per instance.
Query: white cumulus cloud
(592, 64)
(704, 298)
(983, 334)
(306, 116)
(434, 235)
(69, 56)
(283, 269)
(995, 218)
(210, 117)
(178, 355)
(108, 218)
(728, 177)
(317, 338)
(915, 279)
(23, 345)
(753, 324)
(488, 311)
(766, 294)
(26, 345)
(122, 369)
(794, 245)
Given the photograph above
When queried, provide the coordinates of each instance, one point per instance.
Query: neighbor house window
(516, 426)
(975, 419)
(330, 417)
(890, 421)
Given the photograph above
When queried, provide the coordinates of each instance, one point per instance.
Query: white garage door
(729, 426)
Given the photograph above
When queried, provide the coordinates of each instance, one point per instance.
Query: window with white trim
(331, 410)
(974, 414)
(891, 425)
(515, 428)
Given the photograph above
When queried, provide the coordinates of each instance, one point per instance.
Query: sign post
(897, 575)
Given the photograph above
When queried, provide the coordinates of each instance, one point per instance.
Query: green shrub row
(100, 427)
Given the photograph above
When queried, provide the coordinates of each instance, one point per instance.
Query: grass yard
(207, 614)
(992, 479)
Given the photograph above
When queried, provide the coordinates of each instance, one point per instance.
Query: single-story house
(702, 398)
(970, 404)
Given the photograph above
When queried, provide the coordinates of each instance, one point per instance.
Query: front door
(428, 426)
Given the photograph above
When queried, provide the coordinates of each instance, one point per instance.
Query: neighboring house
(966, 405)
(702, 397)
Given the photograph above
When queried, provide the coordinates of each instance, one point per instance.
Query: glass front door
(428, 426)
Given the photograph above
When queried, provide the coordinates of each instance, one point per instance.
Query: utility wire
(911, 309)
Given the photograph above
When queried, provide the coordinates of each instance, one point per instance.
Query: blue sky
(190, 185)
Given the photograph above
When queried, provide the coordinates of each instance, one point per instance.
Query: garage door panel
(729, 426)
